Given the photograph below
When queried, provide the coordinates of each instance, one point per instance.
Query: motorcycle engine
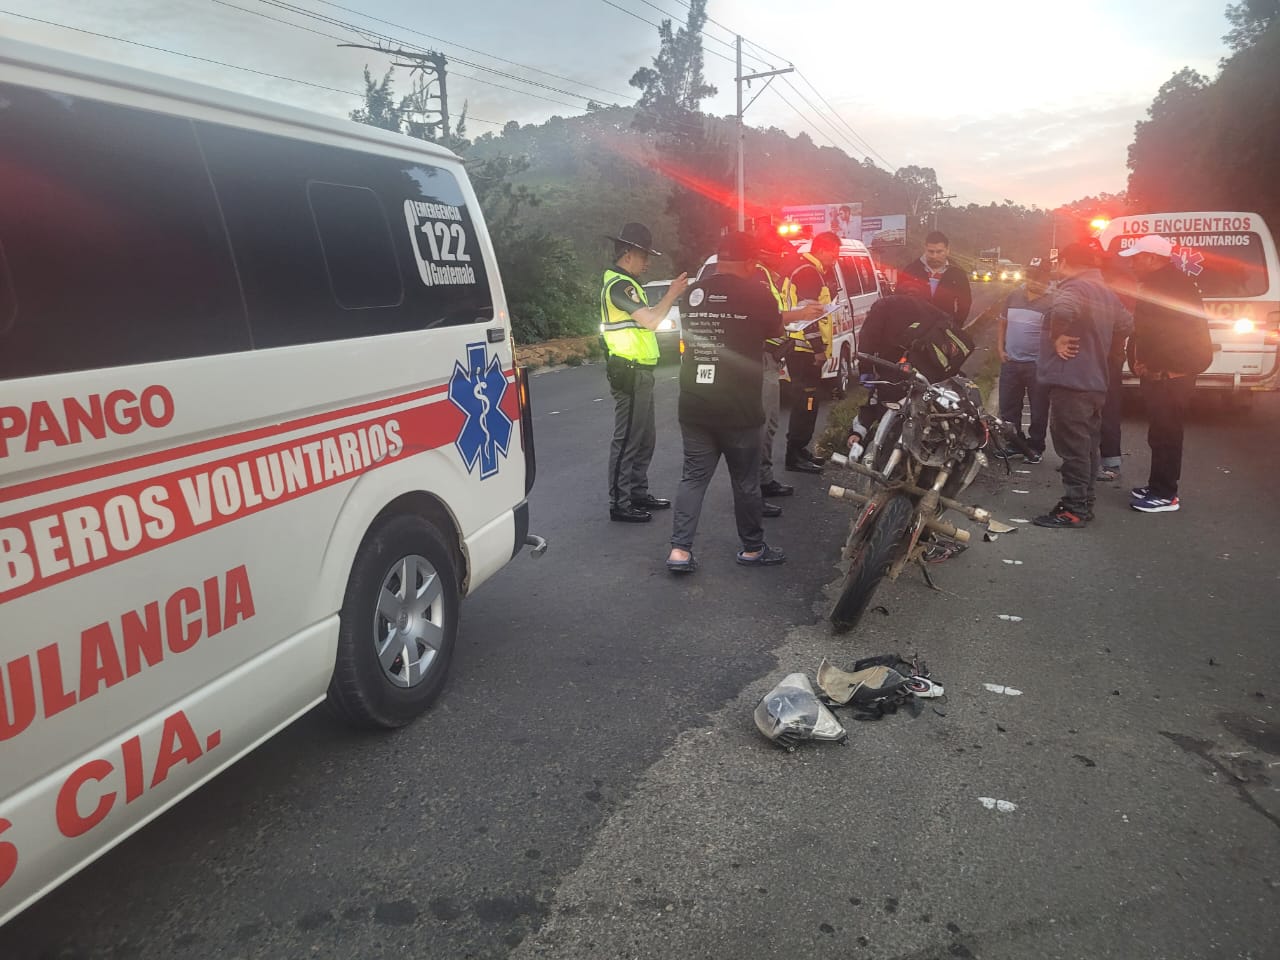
(942, 426)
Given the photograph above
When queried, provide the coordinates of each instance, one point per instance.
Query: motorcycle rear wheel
(871, 561)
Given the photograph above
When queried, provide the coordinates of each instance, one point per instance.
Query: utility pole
(936, 198)
(742, 130)
(430, 68)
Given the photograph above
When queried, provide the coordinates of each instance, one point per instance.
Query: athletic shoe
(1063, 517)
(1150, 504)
(1034, 458)
(1140, 493)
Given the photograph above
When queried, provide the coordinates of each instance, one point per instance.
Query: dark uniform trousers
(806, 378)
(634, 436)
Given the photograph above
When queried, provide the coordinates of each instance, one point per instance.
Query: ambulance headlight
(1244, 325)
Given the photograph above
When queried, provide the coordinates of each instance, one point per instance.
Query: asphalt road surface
(590, 785)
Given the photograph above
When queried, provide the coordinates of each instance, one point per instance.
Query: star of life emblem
(477, 390)
(1189, 260)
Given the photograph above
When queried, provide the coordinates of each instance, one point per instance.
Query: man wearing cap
(1170, 347)
(1082, 328)
(627, 322)
(728, 316)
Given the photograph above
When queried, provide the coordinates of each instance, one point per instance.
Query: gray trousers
(1075, 423)
(770, 396)
(703, 447)
(634, 435)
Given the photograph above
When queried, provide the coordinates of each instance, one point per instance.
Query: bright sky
(1033, 101)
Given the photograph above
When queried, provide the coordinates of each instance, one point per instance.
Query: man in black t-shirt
(726, 319)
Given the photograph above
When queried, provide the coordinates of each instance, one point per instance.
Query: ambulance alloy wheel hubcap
(408, 625)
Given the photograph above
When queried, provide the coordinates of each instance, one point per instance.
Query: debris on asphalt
(990, 537)
(791, 713)
(1000, 688)
(1012, 563)
(1018, 520)
(1010, 617)
(1004, 806)
(995, 526)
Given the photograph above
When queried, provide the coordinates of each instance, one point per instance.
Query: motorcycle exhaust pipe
(976, 514)
(932, 523)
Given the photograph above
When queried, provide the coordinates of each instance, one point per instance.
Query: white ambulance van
(260, 433)
(1232, 259)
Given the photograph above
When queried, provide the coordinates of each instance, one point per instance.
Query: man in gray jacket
(1084, 325)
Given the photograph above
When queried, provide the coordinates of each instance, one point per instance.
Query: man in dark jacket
(1170, 347)
(1080, 331)
(935, 279)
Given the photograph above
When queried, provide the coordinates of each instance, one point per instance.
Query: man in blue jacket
(1083, 327)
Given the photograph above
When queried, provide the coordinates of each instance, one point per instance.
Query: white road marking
(597, 399)
(1012, 563)
(1022, 491)
(991, 803)
(1018, 520)
(554, 413)
(1000, 688)
(1010, 617)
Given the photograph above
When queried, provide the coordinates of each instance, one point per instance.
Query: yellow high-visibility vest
(805, 339)
(623, 335)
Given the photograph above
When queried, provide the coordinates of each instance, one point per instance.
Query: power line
(861, 139)
(800, 113)
(817, 112)
(452, 43)
(210, 60)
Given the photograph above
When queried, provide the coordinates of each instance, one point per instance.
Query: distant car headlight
(1017, 275)
(1244, 325)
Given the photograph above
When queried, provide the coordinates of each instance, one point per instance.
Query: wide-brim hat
(636, 235)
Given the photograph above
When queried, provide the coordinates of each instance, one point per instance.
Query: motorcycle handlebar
(903, 368)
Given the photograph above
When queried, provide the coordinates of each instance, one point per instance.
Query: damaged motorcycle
(925, 451)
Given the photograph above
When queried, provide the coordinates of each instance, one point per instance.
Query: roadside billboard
(885, 231)
(842, 219)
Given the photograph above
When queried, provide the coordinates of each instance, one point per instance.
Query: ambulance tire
(398, 624)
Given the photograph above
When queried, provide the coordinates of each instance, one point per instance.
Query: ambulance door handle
(495, 334)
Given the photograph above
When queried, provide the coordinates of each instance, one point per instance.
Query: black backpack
(937, 349)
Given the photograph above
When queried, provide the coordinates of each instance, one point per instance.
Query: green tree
(690, 150)
(1249, 20)
(380, 108)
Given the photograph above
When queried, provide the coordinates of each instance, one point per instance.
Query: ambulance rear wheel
(398, 624)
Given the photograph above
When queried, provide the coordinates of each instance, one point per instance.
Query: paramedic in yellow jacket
(809, 348)
(627, 322)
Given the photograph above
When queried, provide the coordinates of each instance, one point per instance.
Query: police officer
(627, 322)
(809, 347)
(776, 260)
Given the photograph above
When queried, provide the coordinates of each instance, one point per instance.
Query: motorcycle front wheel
(871, 561)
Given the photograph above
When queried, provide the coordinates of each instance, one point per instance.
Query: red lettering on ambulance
(53, 692)
(8, 854)
(99, 661)
(178, 742)
(239, 597)
(183, 634)
(17, 698)
(67, 810)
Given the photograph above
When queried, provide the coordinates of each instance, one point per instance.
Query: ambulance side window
(848, 270)
(112, 247)
(868, 274)
(334, 243)
(355, 240)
